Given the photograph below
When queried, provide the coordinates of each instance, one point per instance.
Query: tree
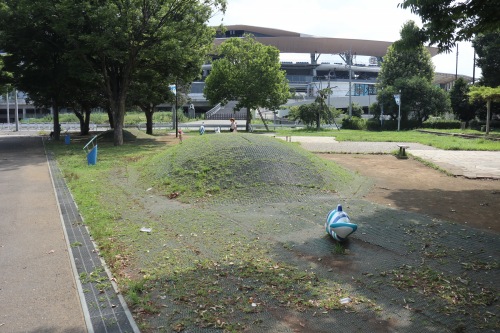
(487, 47)
(487, 94)
(247, 72)
(147, 91)
(35, 53)
(307, 113)
(406, 58)
(116, 38)
(407, 70)
(459, 99)
(447, 22)
(421, 99)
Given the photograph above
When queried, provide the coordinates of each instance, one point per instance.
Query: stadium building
(352, 77)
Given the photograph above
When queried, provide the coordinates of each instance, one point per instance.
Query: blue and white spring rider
(338, 224)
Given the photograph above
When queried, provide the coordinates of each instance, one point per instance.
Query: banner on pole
(397, 98)
(173, 88)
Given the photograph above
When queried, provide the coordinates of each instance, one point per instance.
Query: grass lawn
(438, 141)
(238, 240)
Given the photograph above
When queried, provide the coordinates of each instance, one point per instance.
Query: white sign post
(397, 98)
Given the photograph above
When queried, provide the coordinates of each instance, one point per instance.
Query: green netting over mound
(243, 165)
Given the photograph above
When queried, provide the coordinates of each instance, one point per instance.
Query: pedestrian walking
(234, 125)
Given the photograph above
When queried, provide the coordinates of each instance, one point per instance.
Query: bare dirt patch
(412, 186)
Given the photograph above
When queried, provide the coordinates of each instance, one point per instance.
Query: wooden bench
(402, 151)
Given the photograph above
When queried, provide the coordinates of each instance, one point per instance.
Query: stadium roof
(293, 42)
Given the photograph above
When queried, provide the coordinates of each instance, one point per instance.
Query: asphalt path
(38, 292)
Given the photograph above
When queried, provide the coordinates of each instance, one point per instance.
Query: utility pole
(474, 68)
(329, 92)
(350, 83)
(176, 117)
(16, 110)
(347, 57)
(8, 107)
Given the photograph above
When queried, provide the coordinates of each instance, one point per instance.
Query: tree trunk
(488, 115)
(84, 118)
(86, 125)
(110, 118)
(118, 110)
(80, 119)
(149, 121)
(318, 115)
(263, 120)
(249, 120)
(57, 125)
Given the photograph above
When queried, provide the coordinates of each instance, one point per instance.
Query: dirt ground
(410, 185)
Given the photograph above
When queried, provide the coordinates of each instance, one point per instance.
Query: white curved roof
(293, 42)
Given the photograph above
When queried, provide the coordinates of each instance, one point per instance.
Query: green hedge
(441, 124)
(354, 123)
(476, 124)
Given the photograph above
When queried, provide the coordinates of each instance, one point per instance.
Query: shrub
(354, 123)
(441, 124)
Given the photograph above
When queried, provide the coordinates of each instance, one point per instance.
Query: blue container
(92, 156)
(67, 139)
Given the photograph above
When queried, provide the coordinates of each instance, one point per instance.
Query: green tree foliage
(315, 113)
(459, 99)
(487, 94)
(114, 39)
(421, 99)
(118, 37)
(35, 52)
(408, 70)
(448, 22)
(405, 59)
(247, 72)
(487, 47)
(356, 110)
(147, 90)
(306, 113)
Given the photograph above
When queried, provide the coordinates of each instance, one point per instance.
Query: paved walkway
(38, 291)
(40, 285)
(470, 164)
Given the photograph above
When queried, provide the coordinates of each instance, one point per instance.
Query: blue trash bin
(67, 139)
(92, 156)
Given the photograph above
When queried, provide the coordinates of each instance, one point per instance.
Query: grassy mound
(243, 166)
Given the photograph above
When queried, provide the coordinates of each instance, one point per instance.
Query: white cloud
(361, 19)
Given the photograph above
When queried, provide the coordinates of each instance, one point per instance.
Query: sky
(379, 20)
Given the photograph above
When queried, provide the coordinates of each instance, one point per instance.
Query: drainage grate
(105, 308)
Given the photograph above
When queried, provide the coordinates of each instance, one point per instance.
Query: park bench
(402, 151)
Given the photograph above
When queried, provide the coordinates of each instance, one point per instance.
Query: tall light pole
(350, 83)
(8, 107)
(347, 57)
(16, 110)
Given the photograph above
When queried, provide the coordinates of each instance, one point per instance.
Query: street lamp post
(8, 107)
(350, 83)
(16, 110)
